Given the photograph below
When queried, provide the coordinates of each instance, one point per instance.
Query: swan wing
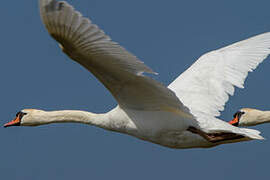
(119, 71)
(205, 86)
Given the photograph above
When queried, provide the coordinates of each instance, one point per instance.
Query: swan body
(182, 115)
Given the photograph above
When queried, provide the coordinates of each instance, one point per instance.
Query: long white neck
(264, 117)
(67, 116)
(254, 117)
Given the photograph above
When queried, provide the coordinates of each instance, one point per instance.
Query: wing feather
(205, 87)
(119, 71)
(122, 73)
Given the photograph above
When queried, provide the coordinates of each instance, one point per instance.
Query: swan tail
(252, 133)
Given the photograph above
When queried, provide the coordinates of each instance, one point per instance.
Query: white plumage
(206, 85)
(180, 116)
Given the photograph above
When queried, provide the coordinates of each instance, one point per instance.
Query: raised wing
(205, 86)
(119, 71)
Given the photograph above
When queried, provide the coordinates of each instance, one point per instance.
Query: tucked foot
(215, 137)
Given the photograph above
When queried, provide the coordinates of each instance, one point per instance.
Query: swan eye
(238, 114)
(20, 114)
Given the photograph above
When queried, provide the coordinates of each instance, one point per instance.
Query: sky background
(168, 36)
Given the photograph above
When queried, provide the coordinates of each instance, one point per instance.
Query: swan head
(25, 117)
(246, 117)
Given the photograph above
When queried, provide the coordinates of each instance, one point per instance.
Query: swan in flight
(182, 115)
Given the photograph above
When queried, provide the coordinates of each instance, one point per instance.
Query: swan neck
(69, 116)
(264, 117)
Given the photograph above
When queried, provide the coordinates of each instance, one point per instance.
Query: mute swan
(182, 115)
(250, 117)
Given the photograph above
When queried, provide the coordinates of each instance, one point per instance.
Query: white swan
(180, 116)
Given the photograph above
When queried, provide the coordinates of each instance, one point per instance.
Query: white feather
(145, 103)
(206, 85)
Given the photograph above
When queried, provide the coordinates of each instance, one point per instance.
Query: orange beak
(15, 122)
(235, 121)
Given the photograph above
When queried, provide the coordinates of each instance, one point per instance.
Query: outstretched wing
(205, 87)
(119, 71)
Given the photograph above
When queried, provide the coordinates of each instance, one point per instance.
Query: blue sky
(168, 36)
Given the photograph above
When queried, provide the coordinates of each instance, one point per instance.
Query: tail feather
(252, 133)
